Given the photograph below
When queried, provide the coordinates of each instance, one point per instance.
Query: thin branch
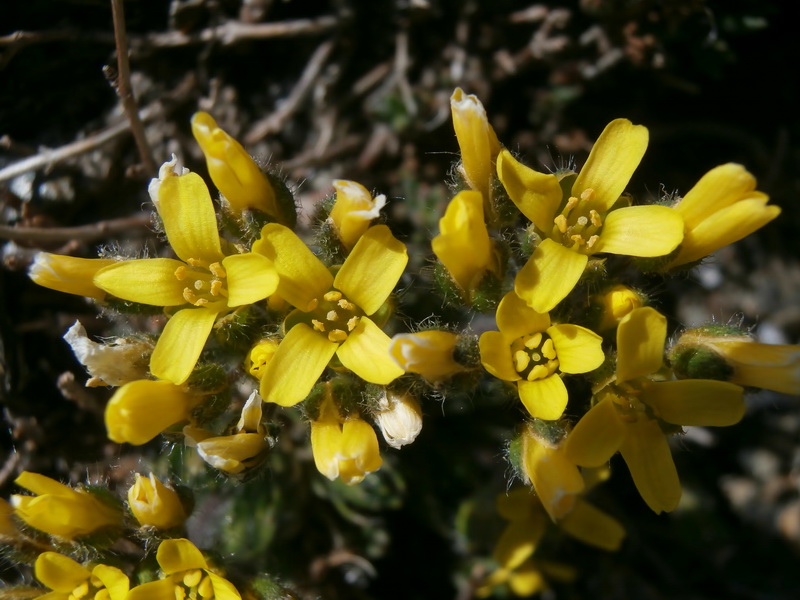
(124, 90)
(81, 233)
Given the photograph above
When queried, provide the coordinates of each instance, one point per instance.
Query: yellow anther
(318, 325)
(333, 296)
(180, 593)
(95, 581)
(332, 315)
(538, 372)
(195, 262)
(217, 288)
(189, 295)
(351, 324)
(587, 195)
(337, 335)
(592, 241)
(548, 349)
(595, 217)
(217, 270)
(571, 203)
(521, 360)
(346, 304)
(534, 341)
(192, 578)
(552, 365)
(312, 305)
(561, 222)
(181, 272)
(201, 302)
(206, 588)
(578, 239)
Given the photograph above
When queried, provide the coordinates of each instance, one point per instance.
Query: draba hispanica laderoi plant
(281, 348)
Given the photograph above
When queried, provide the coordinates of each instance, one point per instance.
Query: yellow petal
(181, 343)
(354, 210)
(594, 527)
(647, 454)
(696, 402)
(301, 358)
(722, 186)
(612, 161)
(161, 589)
(518, 504)
(189, 220)
(640, 231)
(153, 503)
(518, 542)
(640, 343)
(544, 398)
(556, 479)
(537, 195)
(40, 484)
(476, 139)
(326, 443)
(223, 589)
(360, 444)
(515, 318)
(59, 572)
(429, 353)
(768, 366)
(496, 356)
(366, 353)
(527, 580)
(178, 555)
(114, 580)
(147, 281)
(140, 410)
(231, 453)
(68, 274)
(251, 277)
(578, 349)
(372, 269)
(549, 275)
(303, 278)
(597, 436)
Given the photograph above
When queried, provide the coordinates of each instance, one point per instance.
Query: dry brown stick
(81, 233)
(124, 90)
(273, 122)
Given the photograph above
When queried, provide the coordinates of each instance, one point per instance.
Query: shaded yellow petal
(647, 454)
(251, 277)
(597, 436)
(537, 195)
(161, 589)
(544, 398)
(294, 369)
(594, 527)
(429, 353)
(190, 223)
(354, 210)
(612, 161)
(303, 278)
(140, 410)
(476, 140)
(230, 453)
(181, 343)
(640, 343)
(696, 402)
(768, 366)
(372, 269)
(578, 349)
(515, 318)
(640, 231)
(178, 555)
(40, 484)
(496, 356)
(223, 589)
(359, 445)
(147, 281)
(518, 542)
(527, 580)
(114, 580)
(518, 504)
(366, 353)
(722, 186)
(326, 442)
(555, 478)
(153, 503)
(68, 274)
(59, 572)
(549, 275)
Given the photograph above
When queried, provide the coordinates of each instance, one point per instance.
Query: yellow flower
(428, 353)
(399, 417)
(738, 359)
(581, 223)
(186, 574)
(533, 353)
(244, 448)
(140, 410)
(70, 581)
(154, 504)
(478, 144)
(616, 303)
(353, 211)
(722, 208)
(332, 315)
(68, 274)
(203, 285)
(114, 362)
(59, 510)
(236, 175)
(343, 448)
(629, 412)
(463, 243)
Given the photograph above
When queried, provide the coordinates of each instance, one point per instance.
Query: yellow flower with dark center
(581, 223)
(59, 510)
(186, 574)
(154, 504)
(722, 208)
(428, 353)
(332, 314)
(629, 413)
(533, 353)
(72, 581)
(353, 211)
(203, 284)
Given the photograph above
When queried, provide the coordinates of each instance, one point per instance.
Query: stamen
(538, 372)
(346, 304)
(534, 341)
(81, 590)
(332, 315)
(189, 295)
(192, 578)
(206, 589)
(312, 305)
(181, 273)
(217, 270)
(592, 241)
(352, 323)
(561, 222)
(337, 335)
(333, 296)
(587, 195)
(196, 262)
(318, 325)
(521, 360)
(595, 217)
(548, 349)
(218, 289)
(180, 593)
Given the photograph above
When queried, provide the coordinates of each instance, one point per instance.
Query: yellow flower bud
(232, 170)
(259, 356)
(154, 504)
(400, 419)
(428, 353)
(68, 274)
(353, 211)
(616, 303)
(59, 510)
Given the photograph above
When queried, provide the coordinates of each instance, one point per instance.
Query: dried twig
(81, 233)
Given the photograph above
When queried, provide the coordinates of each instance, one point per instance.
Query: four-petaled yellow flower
(154, 504)
(333, 313)
(533, 353)
(71, 581)
(59, 510)
(629, 413)
(722, 208)
(353, 211)
(581, 223)
(186, 574)
(203, 284)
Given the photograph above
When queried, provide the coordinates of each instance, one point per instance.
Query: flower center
(626, 398)
(577, 225)
(194, 584)
(534, 356)
(91, 589)
(205, 282)
(335, 316)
